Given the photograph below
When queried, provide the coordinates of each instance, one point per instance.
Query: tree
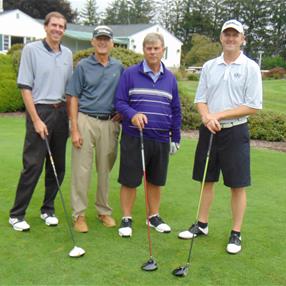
(117, 13)
(128, 12)
(140, 11)
(277, 40)
(88, 14)
(39, 9)
(203, 49)
(170, 15)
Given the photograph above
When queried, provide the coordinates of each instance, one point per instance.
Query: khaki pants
(101, 136)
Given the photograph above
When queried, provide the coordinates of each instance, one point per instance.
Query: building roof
(118, 30)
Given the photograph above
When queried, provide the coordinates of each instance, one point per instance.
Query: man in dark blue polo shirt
(94, 125)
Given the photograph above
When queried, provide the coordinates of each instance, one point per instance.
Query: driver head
(76, 252)
(181, 271)
(150, 265)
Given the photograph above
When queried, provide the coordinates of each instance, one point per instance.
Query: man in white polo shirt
(230, 89)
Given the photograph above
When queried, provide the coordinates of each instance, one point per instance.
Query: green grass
(274, 93)
(39, 257)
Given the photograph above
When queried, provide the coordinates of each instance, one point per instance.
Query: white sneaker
(193, 231)
(125, 229)
(19, 225)
(157, 222)
(50, 220)
(234, 244)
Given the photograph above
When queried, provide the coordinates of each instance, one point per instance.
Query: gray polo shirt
(95, 85)
(45, 72)
(226, 86)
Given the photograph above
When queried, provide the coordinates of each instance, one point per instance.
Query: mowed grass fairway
(40, 257)
(274, 93)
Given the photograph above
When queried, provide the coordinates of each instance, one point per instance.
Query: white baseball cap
(234, 24)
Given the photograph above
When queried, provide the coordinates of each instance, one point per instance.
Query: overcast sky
(79, 4)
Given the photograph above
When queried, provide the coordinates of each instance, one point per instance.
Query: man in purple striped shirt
(147, 97)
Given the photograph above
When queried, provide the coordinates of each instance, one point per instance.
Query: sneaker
(234, 244)
(125, 229)
(18, 224)
(80, 224)
(193, 231)
(157, 222)
(50, 220)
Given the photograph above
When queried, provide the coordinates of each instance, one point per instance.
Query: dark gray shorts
(156, 161)
(230, 154)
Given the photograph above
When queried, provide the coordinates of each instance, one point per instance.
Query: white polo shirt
(225, 86)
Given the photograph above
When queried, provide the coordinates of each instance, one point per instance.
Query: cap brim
(102, 34)
(232, 27)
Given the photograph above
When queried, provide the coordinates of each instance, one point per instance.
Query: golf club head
(76, 252)
(181, 271)
(150, 265)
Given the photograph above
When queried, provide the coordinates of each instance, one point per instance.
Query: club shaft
(146, 193)
(201, 193)
(59, 189)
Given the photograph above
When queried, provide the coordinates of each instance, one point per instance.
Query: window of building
(166, 53)
(6, 43)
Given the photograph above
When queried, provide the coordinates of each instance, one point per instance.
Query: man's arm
(39, 126)
(72, 105)
(211, 120)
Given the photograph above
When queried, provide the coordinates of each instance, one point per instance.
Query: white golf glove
(174, 147)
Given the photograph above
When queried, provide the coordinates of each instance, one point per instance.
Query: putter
(151, 264)
(182, 271)
(76, 251)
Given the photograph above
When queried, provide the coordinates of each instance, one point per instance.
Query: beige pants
(101, 136)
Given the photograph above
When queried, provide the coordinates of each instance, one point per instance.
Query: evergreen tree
(128, 12)
(88, 14)
(117, 13)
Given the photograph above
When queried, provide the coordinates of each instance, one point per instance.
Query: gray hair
(151, 38)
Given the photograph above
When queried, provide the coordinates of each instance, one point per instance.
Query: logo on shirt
(237, 75)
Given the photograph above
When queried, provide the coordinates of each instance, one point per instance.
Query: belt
(52, 105)
(101, 117)
(233, 123)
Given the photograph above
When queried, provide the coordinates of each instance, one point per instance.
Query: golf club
(151, 264)
(182, 271)
(76, 251)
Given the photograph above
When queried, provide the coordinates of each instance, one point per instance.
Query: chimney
(1, 6)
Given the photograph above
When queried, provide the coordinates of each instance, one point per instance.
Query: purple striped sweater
(159, 101)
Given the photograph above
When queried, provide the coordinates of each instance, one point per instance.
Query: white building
(18, 27)
(131, 36)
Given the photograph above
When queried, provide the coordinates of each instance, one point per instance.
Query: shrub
(179, 75)
(10, 97)
(190, 117)
(127, 57)
(193, 76)
(15, 48)
(272, 62)
(269, 126)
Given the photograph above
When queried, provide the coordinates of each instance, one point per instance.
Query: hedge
(264, 125)
(269, 126)
(127, 57)
(10, 97)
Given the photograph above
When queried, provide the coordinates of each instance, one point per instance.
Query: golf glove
(174, 147)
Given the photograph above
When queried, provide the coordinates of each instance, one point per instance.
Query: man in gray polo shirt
(230, 90)
(94, 125)
(44, 71)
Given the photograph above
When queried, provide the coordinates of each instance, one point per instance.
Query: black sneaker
(158, 223)
(234, 244)
(195, 230)
(125, 229)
